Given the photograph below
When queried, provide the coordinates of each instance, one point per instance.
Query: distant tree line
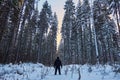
(25, 34)
(91, 32)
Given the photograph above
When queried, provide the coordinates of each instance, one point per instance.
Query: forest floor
(30, 71)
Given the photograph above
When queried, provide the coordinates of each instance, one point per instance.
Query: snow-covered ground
(30, 71)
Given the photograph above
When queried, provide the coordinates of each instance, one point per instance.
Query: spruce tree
(68, 23)
(105, 30)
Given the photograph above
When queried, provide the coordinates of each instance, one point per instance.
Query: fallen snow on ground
(30, 71)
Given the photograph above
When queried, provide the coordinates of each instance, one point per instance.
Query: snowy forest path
(68, 76)
(56, 77)
(60, 77)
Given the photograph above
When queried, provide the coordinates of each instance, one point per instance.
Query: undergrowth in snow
(30, 71)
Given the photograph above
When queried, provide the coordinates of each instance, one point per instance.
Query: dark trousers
(57, 69)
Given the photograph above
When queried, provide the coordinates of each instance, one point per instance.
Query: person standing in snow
(57, 66)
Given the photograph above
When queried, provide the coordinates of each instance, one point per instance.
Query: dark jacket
(57, 63)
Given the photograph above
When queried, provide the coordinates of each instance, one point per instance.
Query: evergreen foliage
(24, 33)
(90, 32)
(92, 36)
